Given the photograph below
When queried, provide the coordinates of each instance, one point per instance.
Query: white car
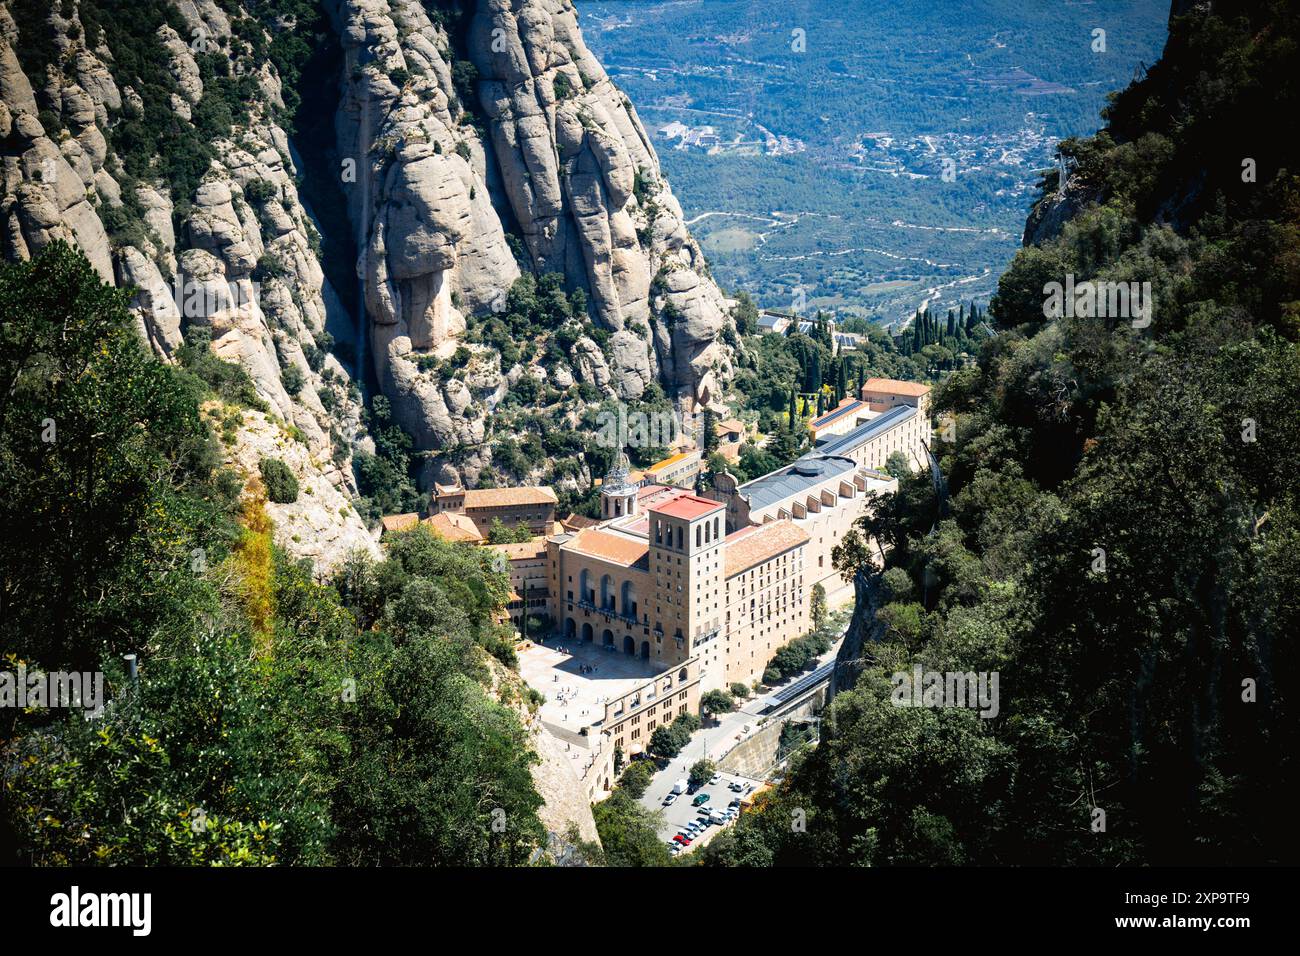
(668, 800)
(715, 778)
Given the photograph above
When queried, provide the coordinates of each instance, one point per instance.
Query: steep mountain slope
(474, 142)
(474, 148)
(141, 136)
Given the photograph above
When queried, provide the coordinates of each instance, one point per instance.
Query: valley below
(879, 170)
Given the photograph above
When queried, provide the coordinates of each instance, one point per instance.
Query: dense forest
(1116, 530)
(273, 718)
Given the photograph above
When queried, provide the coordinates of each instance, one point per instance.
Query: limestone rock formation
(239, 261)
(322, 524)
(565, 161)
(464, 161)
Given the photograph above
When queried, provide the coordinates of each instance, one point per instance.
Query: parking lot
(682, 811)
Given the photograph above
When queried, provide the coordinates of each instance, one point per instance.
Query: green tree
(817, 606)
(701, 772)
(717, 702)
(629, 832)
(281, 485)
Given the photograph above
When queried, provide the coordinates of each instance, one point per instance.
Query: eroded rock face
(575, 150)
(321, 524)
(546, 146)
(565, 157)
(240, 263)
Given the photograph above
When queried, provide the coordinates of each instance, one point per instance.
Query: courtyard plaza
(579, 678)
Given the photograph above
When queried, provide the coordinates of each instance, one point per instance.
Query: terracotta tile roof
(504, 497)
(895, 386)
(576, 522)
(646, 492)
(611, 547)
(519, 551)
(400, 522)
(687, 507)
(729, 425)
(453, 527)
(754, 545)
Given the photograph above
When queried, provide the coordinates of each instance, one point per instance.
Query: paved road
(713, 740)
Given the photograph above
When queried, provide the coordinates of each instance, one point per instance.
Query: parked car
(715, 778)
(679, 786)
(670, 799)
(682, 839)
(736, 786)
(700, 799)
(735, 802)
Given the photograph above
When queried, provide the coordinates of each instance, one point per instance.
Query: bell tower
(617, 494)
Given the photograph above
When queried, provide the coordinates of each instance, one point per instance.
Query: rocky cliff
(233, 257)
(493, 142)
(475, 142)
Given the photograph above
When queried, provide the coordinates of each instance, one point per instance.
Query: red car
(683, 840)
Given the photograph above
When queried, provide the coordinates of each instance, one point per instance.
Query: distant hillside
(825, 168)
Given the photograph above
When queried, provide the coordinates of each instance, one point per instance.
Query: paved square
(576, 698)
